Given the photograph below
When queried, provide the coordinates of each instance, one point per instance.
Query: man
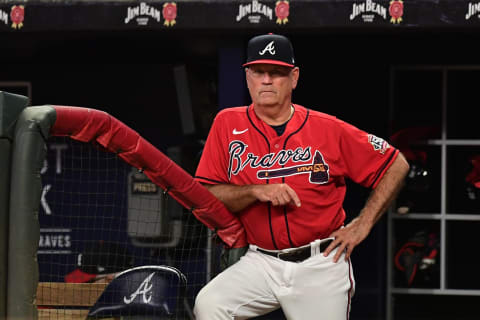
(281, 168)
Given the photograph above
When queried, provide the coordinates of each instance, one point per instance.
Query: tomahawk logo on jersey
(317, 170)
(242, 149)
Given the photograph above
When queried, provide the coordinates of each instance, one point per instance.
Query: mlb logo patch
(378, 143)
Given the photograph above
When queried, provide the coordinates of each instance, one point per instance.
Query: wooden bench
(67, 301)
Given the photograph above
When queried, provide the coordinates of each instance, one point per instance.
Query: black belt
(296, 255)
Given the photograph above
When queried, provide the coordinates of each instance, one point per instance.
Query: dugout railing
(21, 188)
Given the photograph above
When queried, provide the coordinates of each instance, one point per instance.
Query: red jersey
(314, 155)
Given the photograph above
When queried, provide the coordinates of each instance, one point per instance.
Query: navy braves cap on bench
(270, 49)
(154, 292)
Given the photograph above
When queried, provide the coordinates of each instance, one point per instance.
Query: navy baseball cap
(270, 49)
(148, 291)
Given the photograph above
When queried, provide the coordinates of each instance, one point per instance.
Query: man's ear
(295, 77)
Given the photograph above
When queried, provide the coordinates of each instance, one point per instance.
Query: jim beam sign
(143, 13)
(254, 12)
(257, 11)
(370, 10)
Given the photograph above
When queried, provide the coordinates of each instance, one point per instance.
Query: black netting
(98, 217)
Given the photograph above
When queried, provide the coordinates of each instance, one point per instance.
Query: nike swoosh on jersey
(239, 132)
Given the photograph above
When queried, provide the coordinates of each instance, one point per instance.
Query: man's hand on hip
(347, 238)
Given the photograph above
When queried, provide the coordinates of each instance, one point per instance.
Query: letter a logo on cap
(270, 48)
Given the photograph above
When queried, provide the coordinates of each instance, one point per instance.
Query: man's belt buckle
(294, 255)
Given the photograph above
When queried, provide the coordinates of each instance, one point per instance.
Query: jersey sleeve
(365, 156)
(212, 166)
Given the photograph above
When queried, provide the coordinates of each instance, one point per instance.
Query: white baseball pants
(316, 288)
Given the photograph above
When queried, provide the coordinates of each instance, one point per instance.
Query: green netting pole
(28, 153)
(10, 107)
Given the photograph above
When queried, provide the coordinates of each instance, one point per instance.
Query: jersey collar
(293, 125)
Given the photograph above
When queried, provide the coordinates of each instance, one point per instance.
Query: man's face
(270, 84)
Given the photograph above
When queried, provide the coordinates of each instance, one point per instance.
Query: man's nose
(267, 77)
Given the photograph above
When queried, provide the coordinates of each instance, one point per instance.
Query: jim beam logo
(282, 11)
(368, 10)
(473, 9)
(169, 14)
(254, 11)
(17, 14)
(142, 14)
(396, 11)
